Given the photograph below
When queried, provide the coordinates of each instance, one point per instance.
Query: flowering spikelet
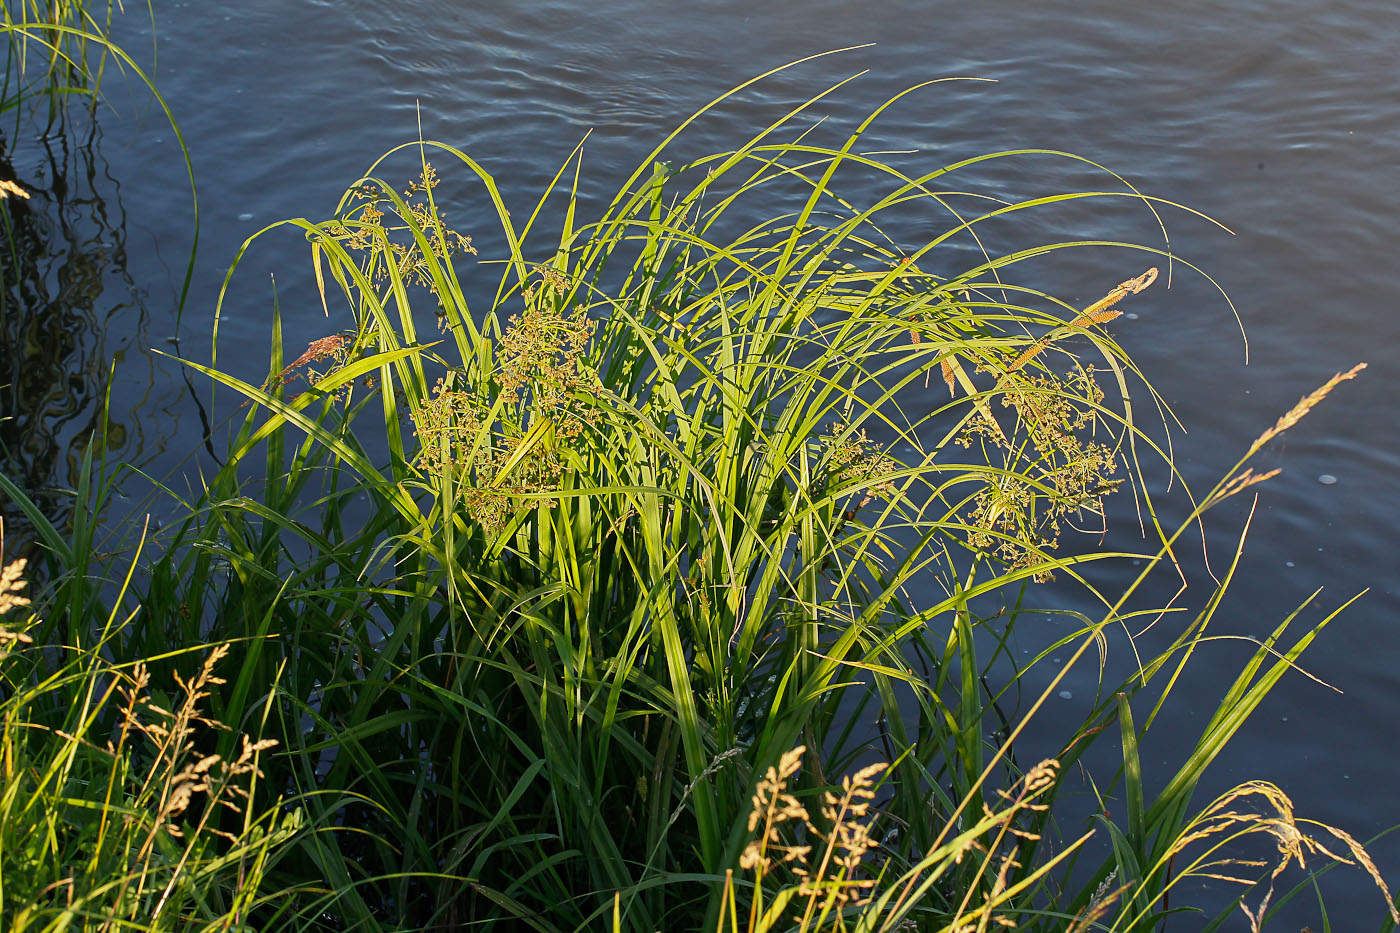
(824, 863)
(8, 188)
(849, 839)
(1305, 404)
(1097, 313)
(1105, 895)
(1242, 482)
(1226, 818)
(772, 806)
(11, 582)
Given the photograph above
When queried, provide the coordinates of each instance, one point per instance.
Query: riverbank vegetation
(611, 568)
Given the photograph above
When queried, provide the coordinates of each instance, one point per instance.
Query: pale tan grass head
(12, 582)
(1231, 816)
(828, 864)
(1243, 481)
(1305, 404)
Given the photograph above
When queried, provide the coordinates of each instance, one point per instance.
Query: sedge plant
(553, 559)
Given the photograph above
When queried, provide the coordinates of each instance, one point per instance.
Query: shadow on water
(69, 314)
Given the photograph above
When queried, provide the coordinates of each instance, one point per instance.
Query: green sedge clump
(658, 500)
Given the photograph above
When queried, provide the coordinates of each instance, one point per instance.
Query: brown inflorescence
(334, 347)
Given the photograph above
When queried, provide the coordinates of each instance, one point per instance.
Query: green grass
(114, 814)
(54, 50)
(542, 563)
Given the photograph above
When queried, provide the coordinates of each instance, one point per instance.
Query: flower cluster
(853, 459)
(540, 362)
(503, 442)
(1017, 515)
(495, 480)
(365, 230)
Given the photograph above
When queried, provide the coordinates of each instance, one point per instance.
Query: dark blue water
(1280, 119)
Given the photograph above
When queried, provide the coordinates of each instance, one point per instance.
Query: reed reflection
(69, 313)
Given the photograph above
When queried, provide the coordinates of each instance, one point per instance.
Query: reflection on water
(68, 312)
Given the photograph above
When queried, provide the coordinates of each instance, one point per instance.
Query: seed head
(1305, 404)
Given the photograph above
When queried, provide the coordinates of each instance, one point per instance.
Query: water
(1276, 118)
